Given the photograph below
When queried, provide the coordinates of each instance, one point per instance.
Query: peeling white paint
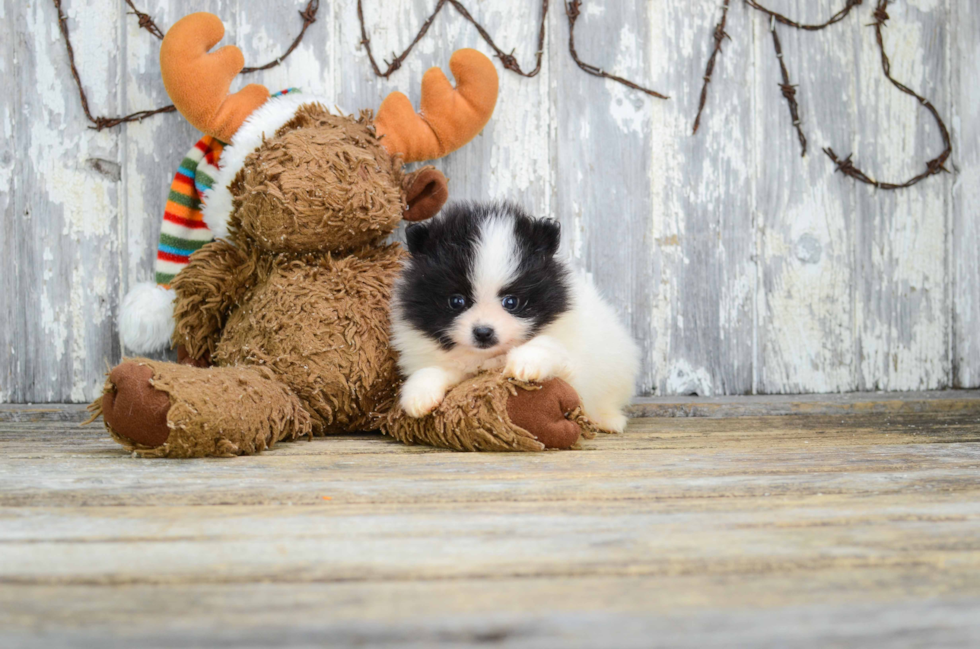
(629, 108)
(519, 155)
(53, 317)
(684, 379)
(965, 196)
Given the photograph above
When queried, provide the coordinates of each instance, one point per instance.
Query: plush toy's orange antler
(198, 82)
(450, 117)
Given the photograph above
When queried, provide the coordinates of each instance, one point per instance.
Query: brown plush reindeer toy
(280, 315)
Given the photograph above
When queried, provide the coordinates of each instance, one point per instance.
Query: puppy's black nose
(484, 336)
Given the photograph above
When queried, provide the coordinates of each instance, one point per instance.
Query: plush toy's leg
(160, 409)
(491, 413)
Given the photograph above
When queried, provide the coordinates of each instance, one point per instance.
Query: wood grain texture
(854, 530)
(59, 272)
(901, 306)
(964, 71)
(304, 615)
(739, 266)
(606, 225)
(881, 403)
(806, 300)
(704, 283)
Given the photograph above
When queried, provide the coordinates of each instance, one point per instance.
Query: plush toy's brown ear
(426, 191)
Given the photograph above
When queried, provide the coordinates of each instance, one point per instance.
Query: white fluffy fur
(495, 262)
(587, 345)
(146, 318)
(263, 123)
(602, 359)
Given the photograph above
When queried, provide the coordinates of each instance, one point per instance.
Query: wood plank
(805, 530)
(812, 404)
(60, 202)
(10, 365)
(277, 605)
(849, 288)
(36, 440)
(334, 542)
(675, 459)
(701, 283)
(963, 72)
(340, 541)
(940, 401)
(805, 211)
(599, 199)
(580, 613)
(901, 307)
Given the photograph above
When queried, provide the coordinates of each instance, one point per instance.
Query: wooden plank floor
(850, 522)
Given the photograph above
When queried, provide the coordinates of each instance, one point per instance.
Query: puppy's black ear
(547, 236)
(415, 236)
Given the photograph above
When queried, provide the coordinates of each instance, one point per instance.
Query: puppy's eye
(457, 302)
(509, 302)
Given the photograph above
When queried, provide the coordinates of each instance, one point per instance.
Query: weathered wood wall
(740, 266)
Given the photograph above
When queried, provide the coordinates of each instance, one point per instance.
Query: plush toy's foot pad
(159, 409)
(544, 413)
(133, 409)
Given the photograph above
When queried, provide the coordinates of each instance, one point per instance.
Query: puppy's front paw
(422, 394)
(535, 363)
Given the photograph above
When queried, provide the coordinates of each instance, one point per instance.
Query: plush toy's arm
(215, 279)
(489, 412)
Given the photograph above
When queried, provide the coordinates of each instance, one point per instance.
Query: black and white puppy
(484, 289)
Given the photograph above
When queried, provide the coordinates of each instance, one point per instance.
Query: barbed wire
(100, 122)
(507, 60)
(719, 36)
(308, 15)
(789, 90)
(572, 11)
(145, 21)
(934, 166)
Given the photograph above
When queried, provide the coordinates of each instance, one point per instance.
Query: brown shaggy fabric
(216, 412)
(214, 281)
(321, 324)
(324, 183)
(304, 290)
(184, 358)
(475, 417)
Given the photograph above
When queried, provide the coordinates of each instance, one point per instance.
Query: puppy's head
(483, 278)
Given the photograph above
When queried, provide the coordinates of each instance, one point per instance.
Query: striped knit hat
(183, 230)
(197, 212)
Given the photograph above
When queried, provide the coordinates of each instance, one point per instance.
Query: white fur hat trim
(146, 318)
